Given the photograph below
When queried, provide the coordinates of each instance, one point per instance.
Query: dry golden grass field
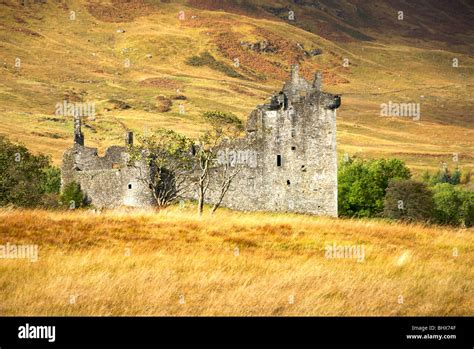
(172, 262)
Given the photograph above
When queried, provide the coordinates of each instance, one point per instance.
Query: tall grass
(172, 262)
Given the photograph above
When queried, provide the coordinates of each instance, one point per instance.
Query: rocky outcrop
(260, 46)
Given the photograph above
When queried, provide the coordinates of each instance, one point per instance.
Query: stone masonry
(288, 156)
(107, 181)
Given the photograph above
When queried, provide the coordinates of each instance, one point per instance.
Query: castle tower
(295, 140)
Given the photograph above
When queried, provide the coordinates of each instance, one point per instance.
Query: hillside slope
(133, 59)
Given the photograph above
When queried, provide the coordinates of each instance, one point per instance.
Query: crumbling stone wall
(109, 180)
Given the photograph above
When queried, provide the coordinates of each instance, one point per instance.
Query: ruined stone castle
(287, 159)
(109, 180)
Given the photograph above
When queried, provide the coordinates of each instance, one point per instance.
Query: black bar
(312, 332)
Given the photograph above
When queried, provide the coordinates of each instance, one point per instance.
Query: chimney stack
(318, 81)
(78, 135)
(129, 138)
(295, 77)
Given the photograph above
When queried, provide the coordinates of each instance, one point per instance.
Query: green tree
(408, 200)
(447, 204)
(444, 176)
(453, 205)
(24, 177)
(467, 207)
(455, 177)
(362, 185)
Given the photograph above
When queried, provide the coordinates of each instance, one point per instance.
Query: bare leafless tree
(224, 127)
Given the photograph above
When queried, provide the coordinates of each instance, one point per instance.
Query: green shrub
(408, 200)
(196, 61)
(72, 196)
(220, 119)
(455, 177)
(52, 180)
(466, 177)
(206, 59)
(445, 176)
(453, 205)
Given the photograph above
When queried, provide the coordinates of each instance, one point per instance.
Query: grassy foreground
(174, 263)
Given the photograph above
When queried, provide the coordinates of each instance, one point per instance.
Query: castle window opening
(278, 160)
(251, 182)
(293, 148)
(288, 182)
(130, 186)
